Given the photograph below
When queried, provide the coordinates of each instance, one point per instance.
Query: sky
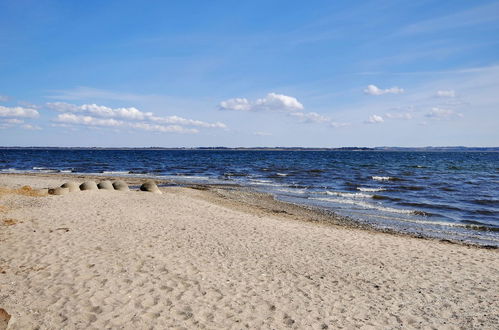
(249, 73)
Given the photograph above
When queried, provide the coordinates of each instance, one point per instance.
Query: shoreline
(247, 199)
(208, 257)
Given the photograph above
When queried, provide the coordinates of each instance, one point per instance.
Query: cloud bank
(274, 102)
(99, 115)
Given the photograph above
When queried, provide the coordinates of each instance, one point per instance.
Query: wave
(472, 225)
(414, 188)
(370, 189)
(266, 183)
(491, 202)
(345, 194)
(260, 181)
(385, 178)
(13, 170)
(281, 174)
(383, 197)
(44, 170)
(484, 212)
(431, 206)
(315, 170)
(293, 191)
(235, 174)
(193, 177)
(142, 172)
(366, 205)
(116, 172)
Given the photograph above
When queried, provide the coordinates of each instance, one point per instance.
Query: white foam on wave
(266, 183)
(66, 171)
(116, 172)
(192, 177)
(382, 178)
(370, 189)
(281, 174)
(260, 181)
(346, 194)
(293, 191)
(364, 205)
(429, 222)
(44, 170)
(13, 170)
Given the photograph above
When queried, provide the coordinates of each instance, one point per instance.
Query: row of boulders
(119, 185)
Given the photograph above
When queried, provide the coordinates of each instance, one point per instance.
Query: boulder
(120, 185)
(88, 185)
(58, 191)
(106, 185)
(72, 186)
(150, 186)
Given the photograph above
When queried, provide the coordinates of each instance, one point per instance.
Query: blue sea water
(452, 195)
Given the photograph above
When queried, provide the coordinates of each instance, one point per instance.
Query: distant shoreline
(380, 149)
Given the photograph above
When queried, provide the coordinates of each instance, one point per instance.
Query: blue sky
(254, 73)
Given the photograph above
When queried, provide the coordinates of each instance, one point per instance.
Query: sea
(445, 195)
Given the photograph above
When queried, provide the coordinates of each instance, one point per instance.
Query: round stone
(120, 185)
(88, 185)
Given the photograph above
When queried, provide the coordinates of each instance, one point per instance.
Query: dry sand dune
(138, 260)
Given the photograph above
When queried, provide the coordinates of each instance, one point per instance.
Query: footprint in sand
(4, 319)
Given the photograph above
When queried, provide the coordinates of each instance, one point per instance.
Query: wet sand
(224, 258)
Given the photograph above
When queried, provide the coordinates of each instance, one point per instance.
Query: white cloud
(70, 118)
(375, 119)
(278, 102)
(187, 122)
(31, 127)
(18, 112)
(4, 98)
(439, 113)
(271, 102)
(13, 121)
(404, 115)
(236, 104)
(131, 113)
(101, 111)
(374, 90)
(165, 129)
(312, 117)
(446, 93)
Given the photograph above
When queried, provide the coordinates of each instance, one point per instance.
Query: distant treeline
(429, 149)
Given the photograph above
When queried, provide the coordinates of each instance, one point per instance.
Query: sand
(190, 258)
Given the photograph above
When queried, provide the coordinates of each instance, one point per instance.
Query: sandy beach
(197, 258)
